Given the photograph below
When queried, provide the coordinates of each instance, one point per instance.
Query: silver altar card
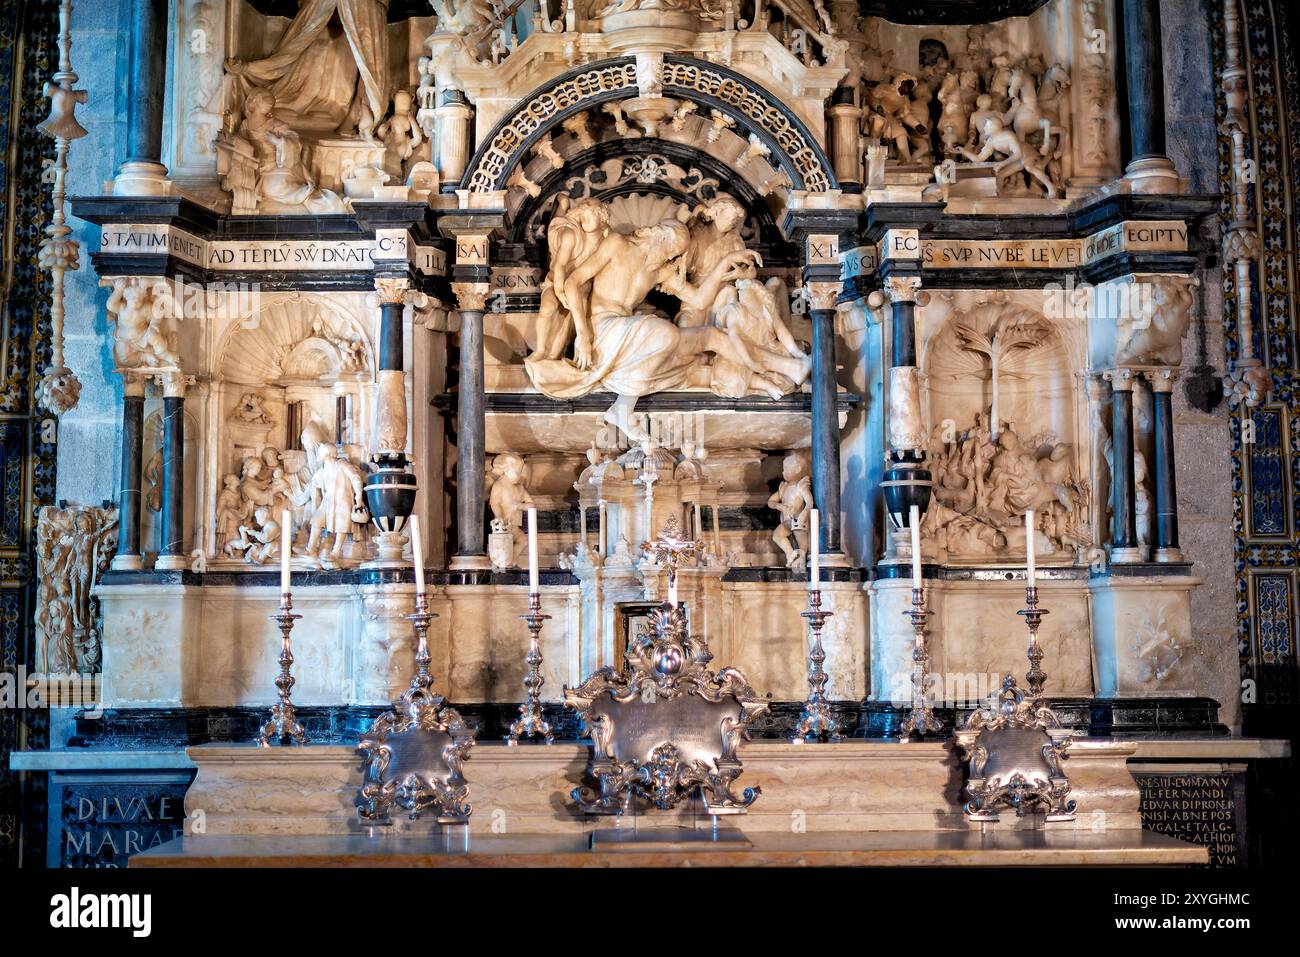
(413, 759)
(1015, 752)
(667, 727)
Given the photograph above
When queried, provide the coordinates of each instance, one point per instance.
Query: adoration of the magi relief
(681, 383)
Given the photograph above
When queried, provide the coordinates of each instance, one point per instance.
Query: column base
(1126, 556)
(171, 563)
(1153, 174)
(127, 563)
(1172, 554)
(834, 559)
(142, 178)
(470, 563)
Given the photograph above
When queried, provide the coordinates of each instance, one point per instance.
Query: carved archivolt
(756, 110)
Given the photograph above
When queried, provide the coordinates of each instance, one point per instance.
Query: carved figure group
(984, 485)
(74, 545)
(731, 330)
(979, 106)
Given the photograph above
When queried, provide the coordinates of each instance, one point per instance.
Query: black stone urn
(906, 484)
(390, 496)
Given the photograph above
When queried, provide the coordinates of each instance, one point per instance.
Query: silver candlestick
(921, 719)
(530, 720)
(816, 721)
(284, 721)
(419, 620)
(1033, 615)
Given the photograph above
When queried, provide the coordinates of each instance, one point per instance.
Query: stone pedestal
(1142, 636)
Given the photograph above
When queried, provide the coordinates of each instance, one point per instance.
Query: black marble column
(825, 429)
(470, 439)
(1162, 420)
(1124, 541)
(173, 482)
(128, 536)
(1145, 73)
(903, 333)
(146, 78)
(391, 354)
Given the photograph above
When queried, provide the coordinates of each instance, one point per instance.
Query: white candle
(914, 518)
(532, 551)
(1029, 548)
(417, 554)
(286, 549)
(814, 551)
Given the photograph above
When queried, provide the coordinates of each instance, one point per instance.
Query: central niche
(1005, 433)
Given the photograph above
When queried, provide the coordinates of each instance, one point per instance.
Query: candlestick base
(816, 722)
(921, 719)
(284, 721)
(530, 722)
(1035, 677)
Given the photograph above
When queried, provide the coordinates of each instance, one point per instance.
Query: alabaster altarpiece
(717, 262)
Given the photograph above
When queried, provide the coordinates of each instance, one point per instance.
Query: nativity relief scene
(807, 366)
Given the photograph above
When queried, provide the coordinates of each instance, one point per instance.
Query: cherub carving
(508, 496)
(400, 133)
(792, 500)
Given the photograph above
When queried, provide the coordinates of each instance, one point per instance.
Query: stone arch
(751, 108)
(646, 167)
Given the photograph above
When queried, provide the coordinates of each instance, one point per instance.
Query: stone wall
(89, 445)
(1201, 438)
